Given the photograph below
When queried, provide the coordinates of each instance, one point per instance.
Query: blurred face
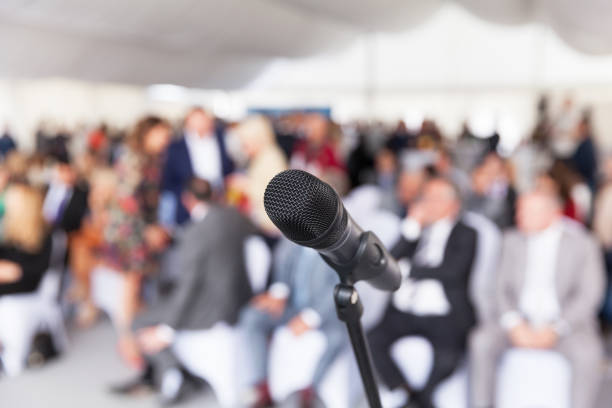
(65, 174)
(440, 201)
(409, 186)
(535, 212)
(156, 140)
(200, 123)
(316, 130)
(251, 144)
(385, 162)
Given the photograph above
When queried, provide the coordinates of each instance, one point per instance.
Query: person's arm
(588, 290)
(33, 268)
(410, 231)
(322, 308)
(506, 296)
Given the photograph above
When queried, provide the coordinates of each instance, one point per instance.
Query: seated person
(212, 286)
(549, 288)
(435, 254)
(24, 258)
(300, 297)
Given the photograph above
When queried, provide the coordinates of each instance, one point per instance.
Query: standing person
(584, 158)
(549, 289)
(435, 253)
(265, 160)
(128, 213)
(199, 152)
(315, 153)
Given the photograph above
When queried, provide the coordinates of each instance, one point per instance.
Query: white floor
(82, 376)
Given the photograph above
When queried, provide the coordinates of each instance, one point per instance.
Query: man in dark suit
(212, 287)
(435, 255)
(199, 152)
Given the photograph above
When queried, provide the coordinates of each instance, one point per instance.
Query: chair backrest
(488, 248)
(258, 261)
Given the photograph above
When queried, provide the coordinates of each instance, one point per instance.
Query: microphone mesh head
(300, 205)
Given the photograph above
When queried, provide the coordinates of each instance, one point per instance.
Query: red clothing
(317, 160)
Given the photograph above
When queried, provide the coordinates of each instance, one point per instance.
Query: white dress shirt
(205, 157)
(426, 296)
(538, 301)
(57, 195)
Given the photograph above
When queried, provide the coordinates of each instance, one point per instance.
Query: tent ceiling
(224, 44)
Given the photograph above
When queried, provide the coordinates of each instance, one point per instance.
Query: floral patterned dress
(133, 207)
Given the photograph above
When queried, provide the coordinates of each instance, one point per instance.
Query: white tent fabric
(225, 44)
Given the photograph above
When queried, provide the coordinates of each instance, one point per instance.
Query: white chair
(533, 378)
(414, 357)
(212, 355)
(22, 316)
(292, 364)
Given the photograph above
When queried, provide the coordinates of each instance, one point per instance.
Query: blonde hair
(257, 128)
(24, 225)
(16, 164)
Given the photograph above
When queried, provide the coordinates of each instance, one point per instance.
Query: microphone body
(310, 213)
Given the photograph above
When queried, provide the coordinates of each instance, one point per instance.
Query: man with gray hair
(549, 288)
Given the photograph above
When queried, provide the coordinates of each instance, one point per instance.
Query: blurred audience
(170, 221)
(549, 289)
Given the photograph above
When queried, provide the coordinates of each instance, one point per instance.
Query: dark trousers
(447, 341)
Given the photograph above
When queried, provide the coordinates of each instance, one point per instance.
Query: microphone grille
(300, 205)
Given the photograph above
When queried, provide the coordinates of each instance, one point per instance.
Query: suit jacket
(178, 170)
(453, 272)
(212, 284)
(310, 280)
(75, 209)
(579, 276)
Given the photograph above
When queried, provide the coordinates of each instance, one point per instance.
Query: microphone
(310, 213)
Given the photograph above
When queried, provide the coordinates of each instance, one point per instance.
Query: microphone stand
(349, 309)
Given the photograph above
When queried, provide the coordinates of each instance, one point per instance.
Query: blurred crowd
(162, 228)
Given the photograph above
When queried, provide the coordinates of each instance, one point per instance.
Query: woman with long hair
(25, 252)
(130, 213)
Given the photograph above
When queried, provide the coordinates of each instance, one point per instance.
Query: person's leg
(394, 325)
(257, 326)
(337, 340)
(585, 354)
(445, 361)
(486, 345)
(161, 363)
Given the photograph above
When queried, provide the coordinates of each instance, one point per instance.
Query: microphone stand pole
(349, 310)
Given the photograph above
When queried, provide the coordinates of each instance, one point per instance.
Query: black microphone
(310, 213)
